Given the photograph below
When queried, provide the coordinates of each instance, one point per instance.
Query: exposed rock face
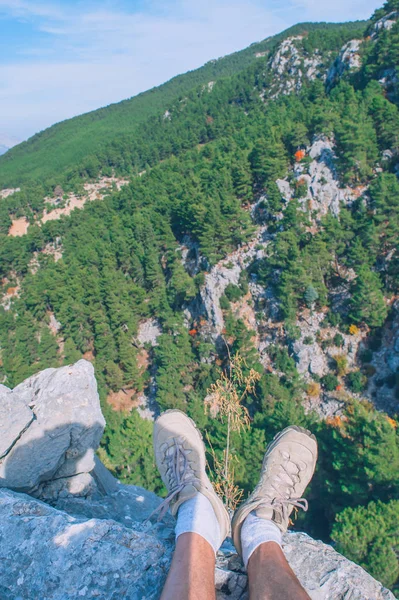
(148, 332)
(51, 424)
(47, 553)
(9, 191)
(386, 22)
(347, 60)
(225, 272)
(385, 362)
(324, 193)
(292, 68)
(100, 546)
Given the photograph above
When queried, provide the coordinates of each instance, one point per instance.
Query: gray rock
(148, 332)
(310, 359)
(324, 192)
(47, 553)
(67, 424)
(291, 67)
(326, 575)
(393, 361)
(15, 418)
(348, 59)
(387, 22)
(221, 275)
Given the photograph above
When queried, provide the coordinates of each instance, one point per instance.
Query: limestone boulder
(51, 425)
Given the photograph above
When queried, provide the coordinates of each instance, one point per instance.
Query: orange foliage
(300, 155)
(334, 421)
(193, 332)
(354, 329)
(11, 291)
(392, 422)
(338, 388)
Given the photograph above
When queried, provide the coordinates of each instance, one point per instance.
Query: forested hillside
(114, 135)
(260, 225)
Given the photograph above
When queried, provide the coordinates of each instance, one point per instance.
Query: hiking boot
(287, 468)
(180, 457)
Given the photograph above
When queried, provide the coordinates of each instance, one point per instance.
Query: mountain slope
(67, 144)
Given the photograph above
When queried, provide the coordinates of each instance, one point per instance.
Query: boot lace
(288, 478)
(178, 472)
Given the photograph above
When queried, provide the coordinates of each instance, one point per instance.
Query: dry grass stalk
(224, 485)
(224, 400)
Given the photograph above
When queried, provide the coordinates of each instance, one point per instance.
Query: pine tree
(367, 300)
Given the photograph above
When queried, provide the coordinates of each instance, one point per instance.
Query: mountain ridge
(181, 84)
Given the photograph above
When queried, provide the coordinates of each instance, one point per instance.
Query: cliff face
(88, 537)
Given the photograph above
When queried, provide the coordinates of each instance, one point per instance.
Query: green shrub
(310, 296)
(356, 381)
(362, 534)
(341, 363)
(329, 382)
(224, 302)
(292, 331)
(338, 340)
(233, 292)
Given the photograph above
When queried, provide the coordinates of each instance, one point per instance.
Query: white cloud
(111, 55)
(27, 8)
(337, 10)
(104, 53)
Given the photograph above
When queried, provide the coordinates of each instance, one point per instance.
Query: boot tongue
(270, 513)
(189, 491)
(265, 512)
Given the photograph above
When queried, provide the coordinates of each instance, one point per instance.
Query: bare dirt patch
(143, 360)
(8, 192)
(124, 400)
(88, 356)
(19, 227)
(93, 191)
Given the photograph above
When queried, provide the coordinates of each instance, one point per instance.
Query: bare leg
(271, 577)
(192, 572)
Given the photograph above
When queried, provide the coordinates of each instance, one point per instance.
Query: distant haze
(60, 59)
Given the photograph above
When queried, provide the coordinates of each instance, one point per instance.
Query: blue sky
(62, 58)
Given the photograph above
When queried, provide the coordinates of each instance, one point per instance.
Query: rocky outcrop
(8, 191)
(383, 387)
(221, 275)
(292, 67)
(99, 544)
(50, 426)
(347, 60)
(148, 332)
(387, 22)
(324, 192)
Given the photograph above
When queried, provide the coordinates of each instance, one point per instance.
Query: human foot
(287, 469)
(180, 458)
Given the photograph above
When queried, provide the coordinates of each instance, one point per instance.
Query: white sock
(197, 516)
(256, 531)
